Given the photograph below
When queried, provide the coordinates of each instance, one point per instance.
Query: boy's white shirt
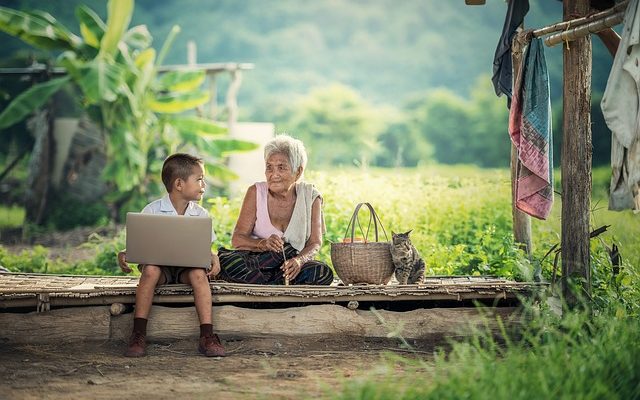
(164, 206)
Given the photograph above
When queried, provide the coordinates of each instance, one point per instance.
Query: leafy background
(386, 57)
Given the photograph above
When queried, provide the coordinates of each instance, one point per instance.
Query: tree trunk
(38, 181)
(576, 161)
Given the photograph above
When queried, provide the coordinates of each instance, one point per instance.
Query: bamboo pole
(576, 162)
(580, 27)
(584, 30)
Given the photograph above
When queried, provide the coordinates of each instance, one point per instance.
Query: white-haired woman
(280, 226)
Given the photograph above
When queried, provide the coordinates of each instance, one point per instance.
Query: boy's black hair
(178, 165)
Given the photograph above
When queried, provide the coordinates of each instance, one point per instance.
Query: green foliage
(116, 71)
(385, 52)
(579, 356)
(68, 212)
(469, 131)
(337, 126)
(37, 259)
(461, 218)
(11, 216)
(461, 221)
(34, 260)
(105, 261)
(224, 212)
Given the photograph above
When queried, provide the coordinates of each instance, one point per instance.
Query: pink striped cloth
(531, 133)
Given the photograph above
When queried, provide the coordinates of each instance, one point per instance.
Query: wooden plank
(32, 301)
(65, 325)
(175, 323)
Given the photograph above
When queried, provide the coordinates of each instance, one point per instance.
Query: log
(64, 325)
(96, 323)
(117, 309)
(176, 323)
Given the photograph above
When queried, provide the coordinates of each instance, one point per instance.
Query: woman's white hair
(290, 147)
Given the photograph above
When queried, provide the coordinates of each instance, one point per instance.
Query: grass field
(460, 217)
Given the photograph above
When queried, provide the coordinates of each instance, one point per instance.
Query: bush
(68, 212)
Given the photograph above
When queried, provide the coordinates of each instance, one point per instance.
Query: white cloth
(621, 109)
(165, 206)
(299, 228)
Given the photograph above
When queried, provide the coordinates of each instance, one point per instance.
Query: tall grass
(578, 357)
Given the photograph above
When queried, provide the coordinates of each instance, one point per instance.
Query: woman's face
(280, 176)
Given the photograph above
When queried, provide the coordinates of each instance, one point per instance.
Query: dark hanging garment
(502, 74)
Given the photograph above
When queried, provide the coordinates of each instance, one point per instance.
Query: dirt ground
(255, 368)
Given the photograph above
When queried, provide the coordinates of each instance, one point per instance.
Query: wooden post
(576, 161)
(232, 99)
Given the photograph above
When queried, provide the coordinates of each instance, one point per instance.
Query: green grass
(579, 357)
(11, 216)
(460, 216)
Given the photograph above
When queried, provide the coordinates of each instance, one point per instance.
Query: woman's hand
(272, 243)
(215, 266)
(291, 268)
(122, 262)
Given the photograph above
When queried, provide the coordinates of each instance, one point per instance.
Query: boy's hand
(122, 262)
(215, 266)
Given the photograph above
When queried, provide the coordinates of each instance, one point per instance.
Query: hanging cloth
(621, 109)
(531, 133)
(502, 66)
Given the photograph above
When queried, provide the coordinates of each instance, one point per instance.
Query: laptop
(168, 240)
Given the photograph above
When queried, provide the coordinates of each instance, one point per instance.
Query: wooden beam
(65, 325)
(576, 161)
(83, 323)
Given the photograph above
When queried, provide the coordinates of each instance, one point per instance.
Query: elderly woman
(280, 225)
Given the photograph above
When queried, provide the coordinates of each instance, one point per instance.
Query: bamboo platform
(63, 308)
(42, 291)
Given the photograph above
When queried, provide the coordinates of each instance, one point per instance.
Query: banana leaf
(38, 29)
(182, 81)
(98, 78)
(225, 147)
(119, 16)
(92, 27)
(138, 37)
(178, 102)
(217, 171)
(200, 126)
(218, 147)
(26, 102)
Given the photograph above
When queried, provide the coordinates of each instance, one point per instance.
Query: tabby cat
(409, 266)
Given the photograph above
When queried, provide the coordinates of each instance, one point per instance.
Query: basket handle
(373, 216)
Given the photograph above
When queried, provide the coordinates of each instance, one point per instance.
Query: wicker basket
(363, 262)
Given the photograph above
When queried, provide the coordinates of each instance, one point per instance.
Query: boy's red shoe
(137, 345)
(210, 346)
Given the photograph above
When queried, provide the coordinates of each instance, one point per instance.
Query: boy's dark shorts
(171, 274)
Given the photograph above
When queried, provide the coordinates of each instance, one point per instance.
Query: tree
(140, 113)
(469, 131)
(338, 126)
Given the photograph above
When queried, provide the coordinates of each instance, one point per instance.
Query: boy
(183, 177)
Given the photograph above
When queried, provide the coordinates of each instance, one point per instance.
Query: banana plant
(144, 115)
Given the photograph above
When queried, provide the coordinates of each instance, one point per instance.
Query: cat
(409, 266)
